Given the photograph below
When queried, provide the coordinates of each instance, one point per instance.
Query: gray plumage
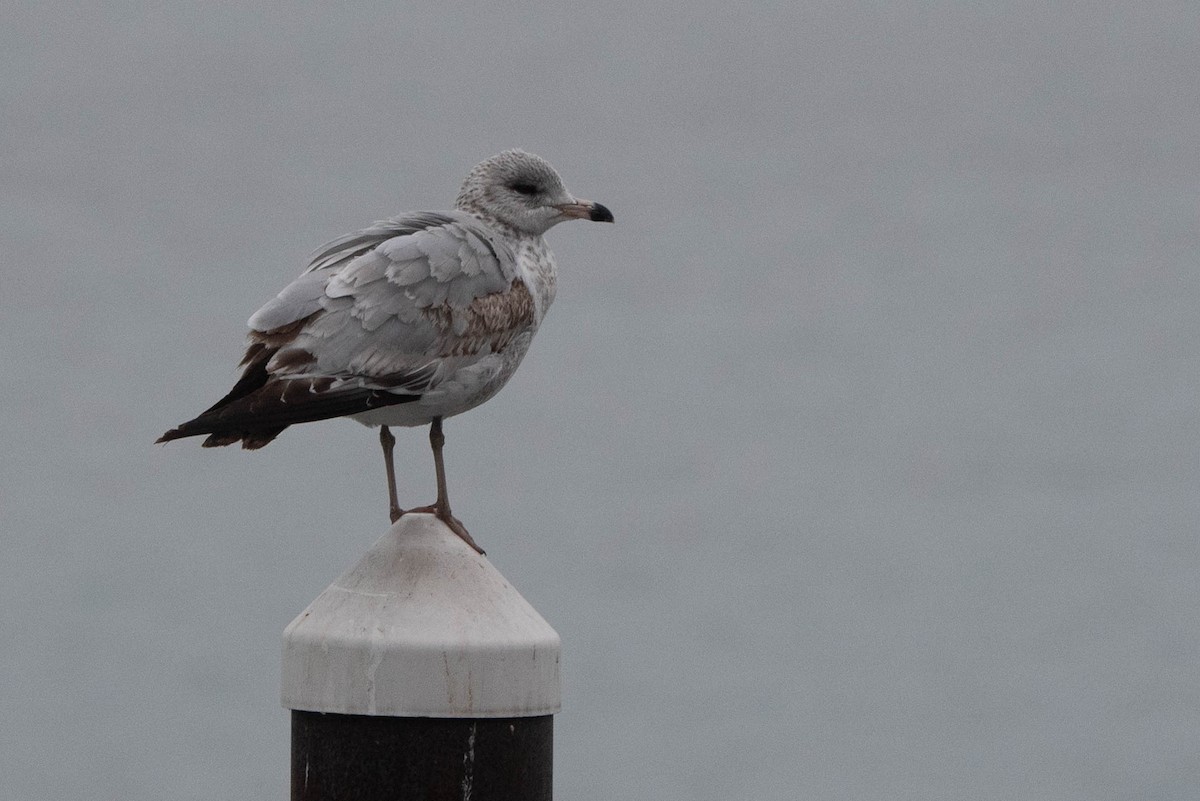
(393, 304)
(409, 321)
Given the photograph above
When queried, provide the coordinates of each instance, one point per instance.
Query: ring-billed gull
(408, 322)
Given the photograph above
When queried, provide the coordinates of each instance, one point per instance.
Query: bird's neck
(536, 262)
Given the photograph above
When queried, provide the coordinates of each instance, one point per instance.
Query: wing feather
(405, 294)
(380, 317)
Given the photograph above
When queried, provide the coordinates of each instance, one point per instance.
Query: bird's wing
(303, 296)
(398, 306)
(380, 317)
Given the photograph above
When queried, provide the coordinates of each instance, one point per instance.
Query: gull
(407, 322)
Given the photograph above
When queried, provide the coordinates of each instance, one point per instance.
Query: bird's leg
(437, 441)
(441, 508)
(388, 442)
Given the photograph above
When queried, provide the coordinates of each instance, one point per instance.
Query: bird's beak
(586, 210)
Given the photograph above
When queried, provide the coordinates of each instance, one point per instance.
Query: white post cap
(422, 626)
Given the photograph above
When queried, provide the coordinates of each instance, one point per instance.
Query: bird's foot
(452, 522)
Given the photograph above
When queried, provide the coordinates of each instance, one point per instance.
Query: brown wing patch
(491, 321)
(277, 338)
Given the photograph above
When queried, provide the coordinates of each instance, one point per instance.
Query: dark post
(371, 758)
(421, 674)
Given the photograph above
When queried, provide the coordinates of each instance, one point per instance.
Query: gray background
(858, 461)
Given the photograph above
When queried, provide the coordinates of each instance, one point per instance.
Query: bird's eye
(525, 189)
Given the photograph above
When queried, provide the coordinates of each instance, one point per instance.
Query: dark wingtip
(600, 213)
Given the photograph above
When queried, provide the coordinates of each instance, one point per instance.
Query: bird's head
(524, 192)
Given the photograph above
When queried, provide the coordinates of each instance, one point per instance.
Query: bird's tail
(260, 407)
(215, 420)
(251, 439)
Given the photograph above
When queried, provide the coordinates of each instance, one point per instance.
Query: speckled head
(522, 191)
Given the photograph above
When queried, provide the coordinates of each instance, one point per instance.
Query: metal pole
(421, 674)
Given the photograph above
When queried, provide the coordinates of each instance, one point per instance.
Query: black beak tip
(600, 213)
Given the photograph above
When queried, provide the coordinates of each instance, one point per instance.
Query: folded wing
(380, 317)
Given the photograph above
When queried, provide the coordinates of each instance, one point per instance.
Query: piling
(421, 673)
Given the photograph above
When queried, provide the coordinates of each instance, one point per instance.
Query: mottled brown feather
(492, 321)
